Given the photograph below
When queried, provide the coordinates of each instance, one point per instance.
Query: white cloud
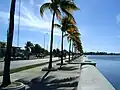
(30, 19)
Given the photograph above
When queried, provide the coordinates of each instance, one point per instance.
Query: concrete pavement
(92, 79)
(63, 79)
(29, 73)
(21, 63)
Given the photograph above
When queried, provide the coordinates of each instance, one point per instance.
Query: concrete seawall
(92, 79)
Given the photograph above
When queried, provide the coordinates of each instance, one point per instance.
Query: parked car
(40, 55)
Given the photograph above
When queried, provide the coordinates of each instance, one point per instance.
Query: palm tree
(65, 24)
(72, 35)
(56, 6)
(6, 73)
(72, 49)
(75, 44)
(79, 47)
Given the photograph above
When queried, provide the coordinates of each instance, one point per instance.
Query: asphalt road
(21, 63)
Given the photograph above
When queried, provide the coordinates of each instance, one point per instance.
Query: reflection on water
(109, 66)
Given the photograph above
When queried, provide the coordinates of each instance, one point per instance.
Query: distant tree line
(100, 53)
(35, 48)
(2, 47)
(57, 52)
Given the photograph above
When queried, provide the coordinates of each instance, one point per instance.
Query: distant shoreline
(100, 53)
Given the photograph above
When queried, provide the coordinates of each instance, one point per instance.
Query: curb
(27, 67)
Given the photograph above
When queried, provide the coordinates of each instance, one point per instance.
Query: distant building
(14, 50)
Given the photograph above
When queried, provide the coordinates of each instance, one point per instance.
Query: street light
(19, 23)
(45, 40)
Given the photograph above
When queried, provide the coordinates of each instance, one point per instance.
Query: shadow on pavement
(68, 68)
(49, 82)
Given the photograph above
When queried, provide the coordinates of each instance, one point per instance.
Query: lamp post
(45, 41)
(19, 23)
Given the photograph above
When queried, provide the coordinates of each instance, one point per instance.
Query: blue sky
(98, 22)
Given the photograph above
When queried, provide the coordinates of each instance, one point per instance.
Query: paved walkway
(80, 59)
(35, 79)
(92, 79)
(24, 73)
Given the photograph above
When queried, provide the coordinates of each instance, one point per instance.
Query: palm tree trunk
(62, 49)
(51, 42)
(6, 74)
(72, 51)
(75, 52)
(69, 49)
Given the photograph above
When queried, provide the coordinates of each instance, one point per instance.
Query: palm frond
(57, 1)
(44, 7)
(51, 9)
(58, 14)
(72, 27)
(69, 15)
(68, 19)
(68, 5)
(57, 26)
(74, 39)
(72, 30)
(76, 33)
(68, 38)
(65, 35)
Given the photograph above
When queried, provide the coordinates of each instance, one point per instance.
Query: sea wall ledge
(92, 79)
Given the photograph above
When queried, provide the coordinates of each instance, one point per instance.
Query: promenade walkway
(72, 76)
(64, 79)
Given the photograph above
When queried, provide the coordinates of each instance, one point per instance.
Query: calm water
(109, 66)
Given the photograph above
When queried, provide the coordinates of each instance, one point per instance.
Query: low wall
(92, 79)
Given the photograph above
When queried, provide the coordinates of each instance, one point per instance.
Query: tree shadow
(50, 82)
(70, 68)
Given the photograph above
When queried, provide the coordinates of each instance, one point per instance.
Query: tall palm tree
(65, 24)
(79, 47)
(72, 49)
(56, 6)
(75, 44)
(72, 35)
(6, 74)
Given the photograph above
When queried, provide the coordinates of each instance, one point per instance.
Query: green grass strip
(26, 67)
